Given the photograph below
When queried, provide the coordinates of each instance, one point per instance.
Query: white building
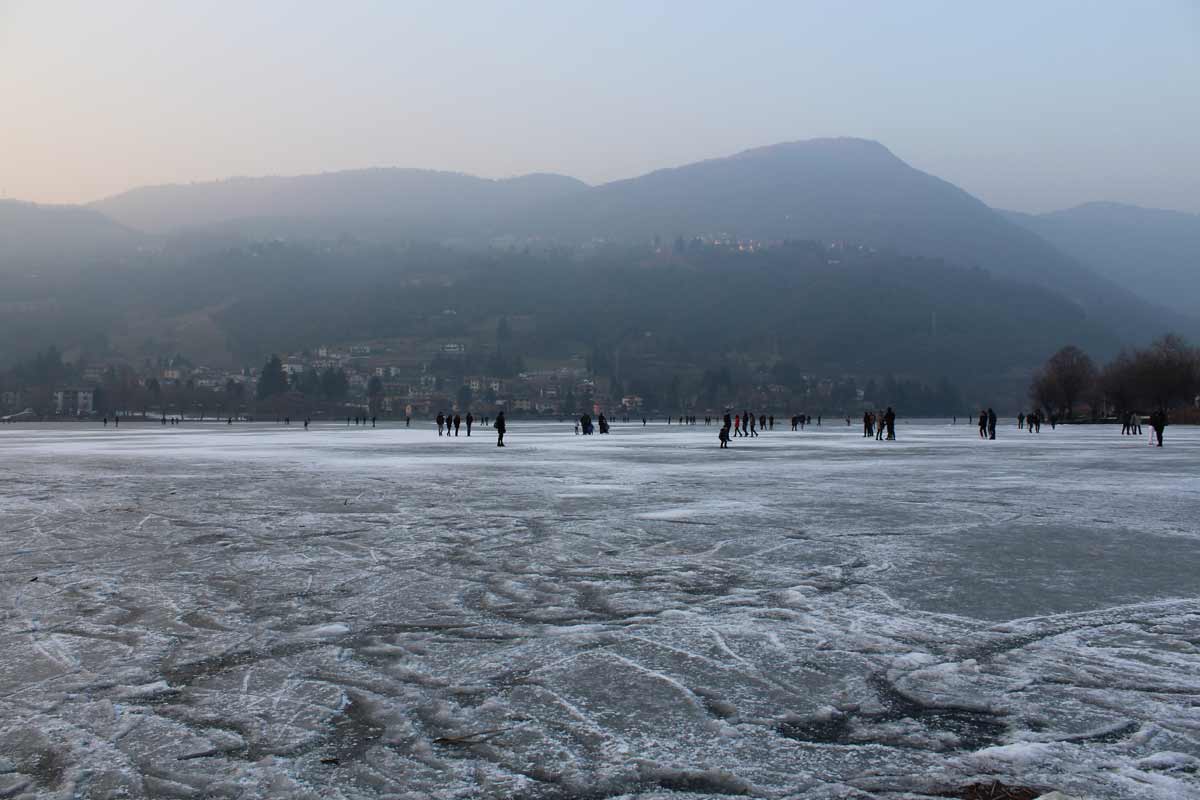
(74, 402)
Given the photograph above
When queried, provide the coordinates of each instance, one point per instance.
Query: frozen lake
(255, 611)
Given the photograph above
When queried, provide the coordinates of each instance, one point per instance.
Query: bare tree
(1119, 382)
(1066, 376)
(1169, 372)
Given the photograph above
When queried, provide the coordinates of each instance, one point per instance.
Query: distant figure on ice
(890, 418)
(1135, 422)
(1158, 421)
(983, 423)
(603, 425)
(753, 426)
(726, 420)
(457, 423)
(991, 423)
(737, 425)
(724, 436)
(500, 428)
(407, 421)
(441, 422)
(470, 422)
(867, 431)
(1021, 421)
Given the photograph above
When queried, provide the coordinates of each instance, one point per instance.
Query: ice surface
(261, 611)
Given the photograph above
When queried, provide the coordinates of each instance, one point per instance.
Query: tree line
(1164, 375)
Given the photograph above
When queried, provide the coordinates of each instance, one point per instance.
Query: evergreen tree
(273, 380)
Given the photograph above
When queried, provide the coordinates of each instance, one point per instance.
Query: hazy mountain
(377, 203)
(823, 189)
(838, 189)
(37, 239)
(772, 316)
(1152, 252)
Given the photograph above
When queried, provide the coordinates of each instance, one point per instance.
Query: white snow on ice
(259, 611)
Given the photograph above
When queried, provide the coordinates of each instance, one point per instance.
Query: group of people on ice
(450, 426)
(585, 426)
(1131, 424)
(1032, 421)
(879, 425)
(745, 425)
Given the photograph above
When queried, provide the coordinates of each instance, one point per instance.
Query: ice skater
(1158, 422)
(500, 428)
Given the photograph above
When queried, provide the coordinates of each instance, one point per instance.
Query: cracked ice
(260, 611)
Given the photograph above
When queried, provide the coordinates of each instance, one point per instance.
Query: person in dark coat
(470, 422)
(500, 428)
(441, 422)
(724, 436)
(1158, 421)
(457, 424)
(983, 417)
(890, 418)
(991, 423)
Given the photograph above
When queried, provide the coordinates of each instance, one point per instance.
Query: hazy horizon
(1028, 108)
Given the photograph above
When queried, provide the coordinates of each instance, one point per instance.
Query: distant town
(394, 379)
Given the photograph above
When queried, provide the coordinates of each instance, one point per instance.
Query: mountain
(822, 189)
(217, 283)
(389, 204)
(1152, 252)
(783, 316)
(840, 189)
(38, 239)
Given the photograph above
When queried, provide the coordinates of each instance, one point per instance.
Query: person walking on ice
(500, 428)
(1158, 423)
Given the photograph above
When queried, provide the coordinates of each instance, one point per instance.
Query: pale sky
(1028, 105)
